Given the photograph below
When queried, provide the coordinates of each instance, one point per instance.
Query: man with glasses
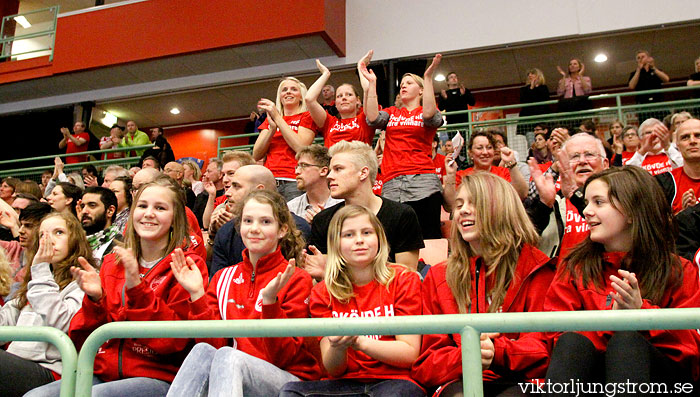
(558, 214)
(311, 172)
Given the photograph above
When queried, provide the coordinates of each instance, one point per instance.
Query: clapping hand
(187, 274)
(269, 293)
(87, 278)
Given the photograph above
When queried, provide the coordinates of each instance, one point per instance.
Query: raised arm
(262, 144)
(296, 141)
(429, 105)
(318, 113)
(371, 103)
(363, 80)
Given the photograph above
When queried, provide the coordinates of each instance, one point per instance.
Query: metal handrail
(48, 32)
(468, 325)
(69, 356)
(101, 151)
(619, 108)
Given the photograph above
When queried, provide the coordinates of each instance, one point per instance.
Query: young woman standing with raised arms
(287, 128)
(351, 123)
(407, 166)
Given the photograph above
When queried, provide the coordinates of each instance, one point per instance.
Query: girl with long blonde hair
(287, 128)
(360, 283)
(494, 267)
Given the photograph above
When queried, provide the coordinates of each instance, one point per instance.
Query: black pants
(428, 211)
(629, 361)
(18, 376)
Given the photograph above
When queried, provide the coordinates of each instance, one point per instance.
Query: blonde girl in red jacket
(135, 283)
(494, 267)
(360, 283)
(264, 286)
(627, 262)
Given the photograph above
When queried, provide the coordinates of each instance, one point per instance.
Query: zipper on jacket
(252, 284)
(121, 347)
(477, 271)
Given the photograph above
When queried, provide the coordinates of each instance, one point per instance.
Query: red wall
(200, 141)
(161, 28)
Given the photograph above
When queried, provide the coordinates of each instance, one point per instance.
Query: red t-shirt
(575, 230)
(657, 164)
(683, 184)
(500, 171)
(378, 185)
(439, 164)
(280, 157)
(335, 130)
(408, 148)
(219, 200)
(626, 156)
(73, 148)
(402, 298)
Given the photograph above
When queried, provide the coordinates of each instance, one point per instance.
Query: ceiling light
(600, 58)
(23, 21)
(440, 77)
(109, 119)
(175, 111)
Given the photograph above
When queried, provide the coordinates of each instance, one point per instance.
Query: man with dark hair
(75, 143)
(150, 162)
(647, 77)
(311, 171)
(456, 97)
(29, 220)
(162, 150)
(90, 175)
(96, 212)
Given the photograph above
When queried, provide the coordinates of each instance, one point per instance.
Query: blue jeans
(227, 372)
(352, 388)
(132, 387)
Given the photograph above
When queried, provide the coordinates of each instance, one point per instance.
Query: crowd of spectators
(579, 222)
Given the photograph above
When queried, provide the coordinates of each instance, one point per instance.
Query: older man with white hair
(656, 154)
(557, 214)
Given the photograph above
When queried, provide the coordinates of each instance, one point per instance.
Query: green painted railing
(76, 166)
(618, 111)
(69, 356)
(469, 326)
(6, 41)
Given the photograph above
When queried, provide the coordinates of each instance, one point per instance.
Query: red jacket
(679, 345)
(235, 293)
(159, 297)
(402, 297)
(440, 361)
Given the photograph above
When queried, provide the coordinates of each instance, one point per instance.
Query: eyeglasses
(539, 129)
(629, 134)
(304, 166)
(587, 156)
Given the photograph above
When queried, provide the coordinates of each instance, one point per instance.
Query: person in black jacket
(456, 97)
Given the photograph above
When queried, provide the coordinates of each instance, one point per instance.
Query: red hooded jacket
(440, 361)
(159, 297)
(235, 293)
(681, 346)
